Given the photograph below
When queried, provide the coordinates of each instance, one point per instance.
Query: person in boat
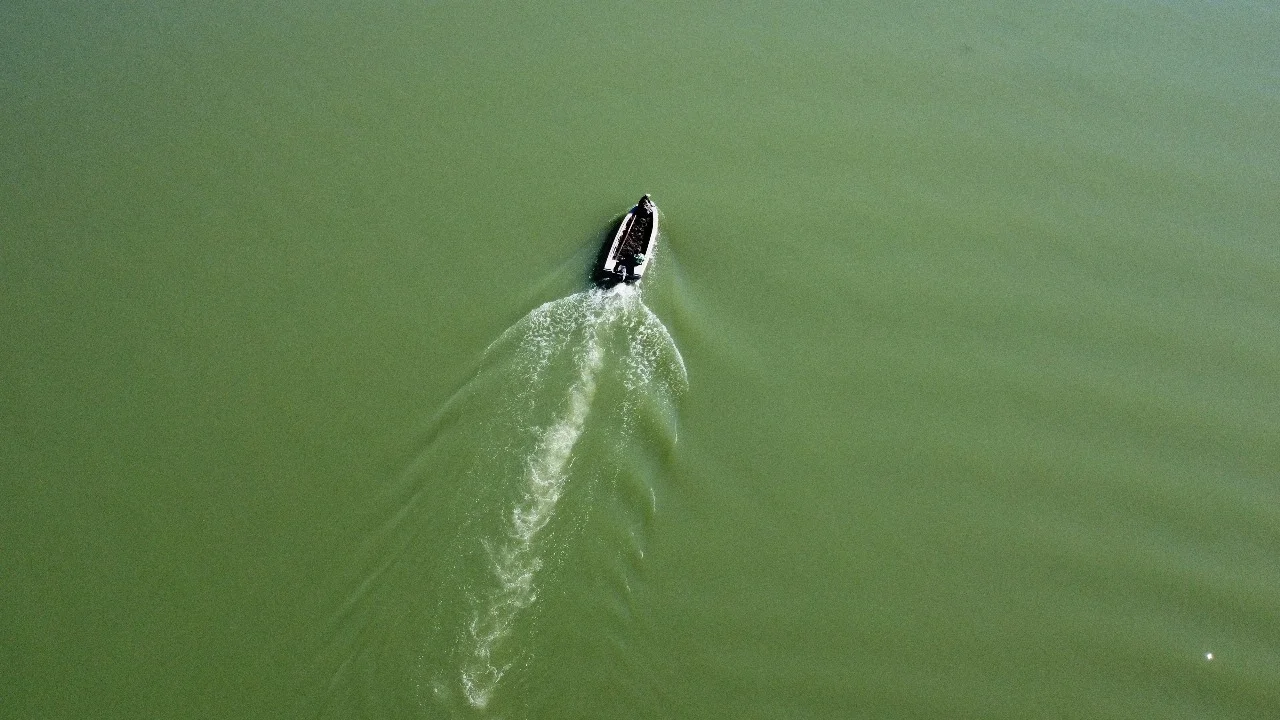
(629, 269)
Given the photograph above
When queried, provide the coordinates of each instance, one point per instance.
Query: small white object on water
(1208, 656)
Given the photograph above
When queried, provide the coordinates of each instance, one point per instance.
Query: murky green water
(954, 391)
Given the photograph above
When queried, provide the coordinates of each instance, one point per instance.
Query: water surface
(975, 306)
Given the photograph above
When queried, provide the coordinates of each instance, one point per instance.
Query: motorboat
(627, 255)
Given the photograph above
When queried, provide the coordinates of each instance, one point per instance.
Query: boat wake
(547, 430)
(579, 331)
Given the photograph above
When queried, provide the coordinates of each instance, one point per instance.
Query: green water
(960, 397)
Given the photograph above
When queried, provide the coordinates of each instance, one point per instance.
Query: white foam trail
(582, 326)
(516, 561)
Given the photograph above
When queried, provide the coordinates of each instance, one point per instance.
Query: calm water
(954, 391)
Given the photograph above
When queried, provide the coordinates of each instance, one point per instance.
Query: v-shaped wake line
(552, 436)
